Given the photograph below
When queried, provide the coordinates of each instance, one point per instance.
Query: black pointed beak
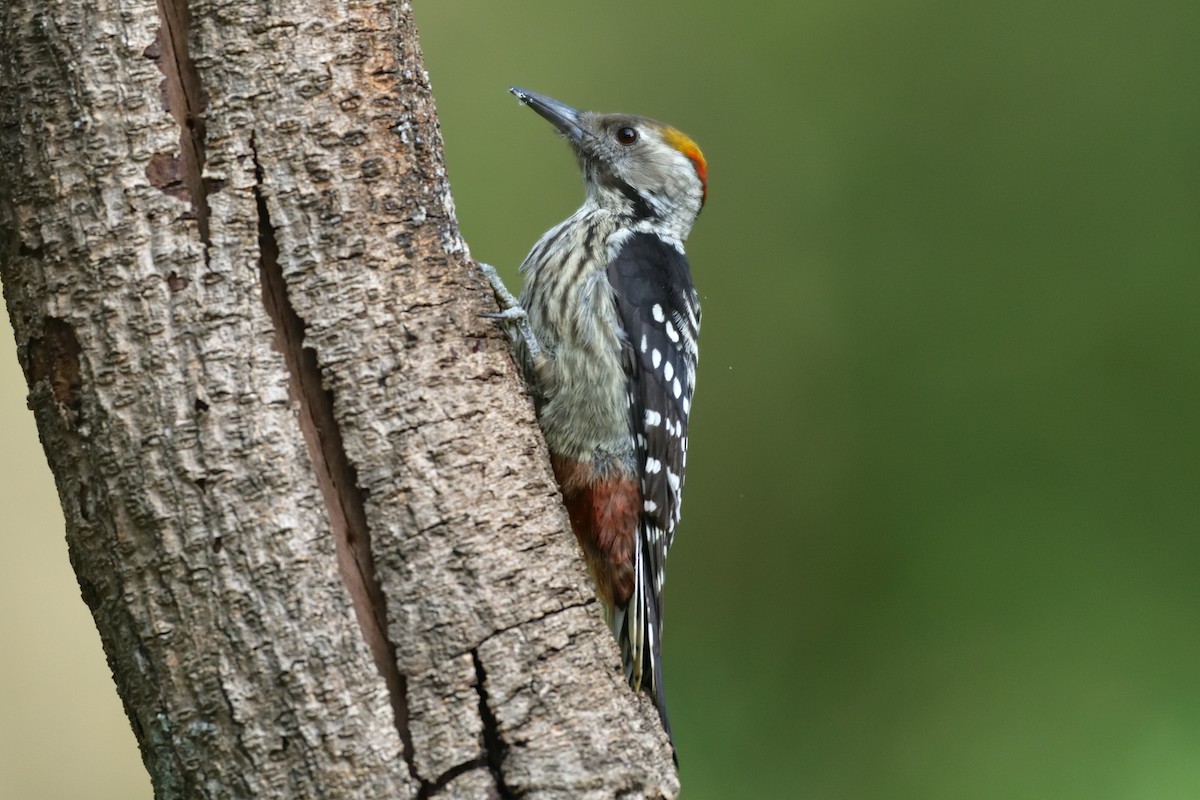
(560, 115)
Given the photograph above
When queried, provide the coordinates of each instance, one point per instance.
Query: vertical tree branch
(306, 499)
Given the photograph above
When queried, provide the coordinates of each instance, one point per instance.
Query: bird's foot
(511, 313)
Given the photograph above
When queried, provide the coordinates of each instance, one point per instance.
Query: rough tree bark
(305, 497)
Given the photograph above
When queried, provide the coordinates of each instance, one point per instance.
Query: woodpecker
(605, 333)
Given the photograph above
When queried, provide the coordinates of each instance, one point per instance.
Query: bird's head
(632, 165)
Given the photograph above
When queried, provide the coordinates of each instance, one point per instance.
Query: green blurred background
(941, 531)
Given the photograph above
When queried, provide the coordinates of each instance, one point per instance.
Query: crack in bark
(54, 358)
(495, 749)
(186, 102)
(581, 604)
(433, 788)
(335, 475)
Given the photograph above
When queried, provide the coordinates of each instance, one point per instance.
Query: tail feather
(654, 658)
(638, 628)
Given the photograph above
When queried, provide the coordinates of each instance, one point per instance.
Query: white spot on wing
(656, 358)
(657, 312)
(677, 389)
(650, 506)
(668, 370)
(672, 334)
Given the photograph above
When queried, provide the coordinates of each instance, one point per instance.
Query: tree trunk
(306, 499)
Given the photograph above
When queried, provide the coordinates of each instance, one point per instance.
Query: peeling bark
(306, 499)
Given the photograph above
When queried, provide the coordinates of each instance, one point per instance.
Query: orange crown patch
(683, 144)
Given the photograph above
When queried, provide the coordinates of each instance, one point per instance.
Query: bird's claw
(513, 314)
(503, 296)
(511, 310)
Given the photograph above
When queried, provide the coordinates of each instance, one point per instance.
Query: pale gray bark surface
(305, 497)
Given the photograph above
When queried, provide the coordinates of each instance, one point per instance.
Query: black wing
(660, 311)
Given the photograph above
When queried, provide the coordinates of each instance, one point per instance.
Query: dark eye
(626, 135)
